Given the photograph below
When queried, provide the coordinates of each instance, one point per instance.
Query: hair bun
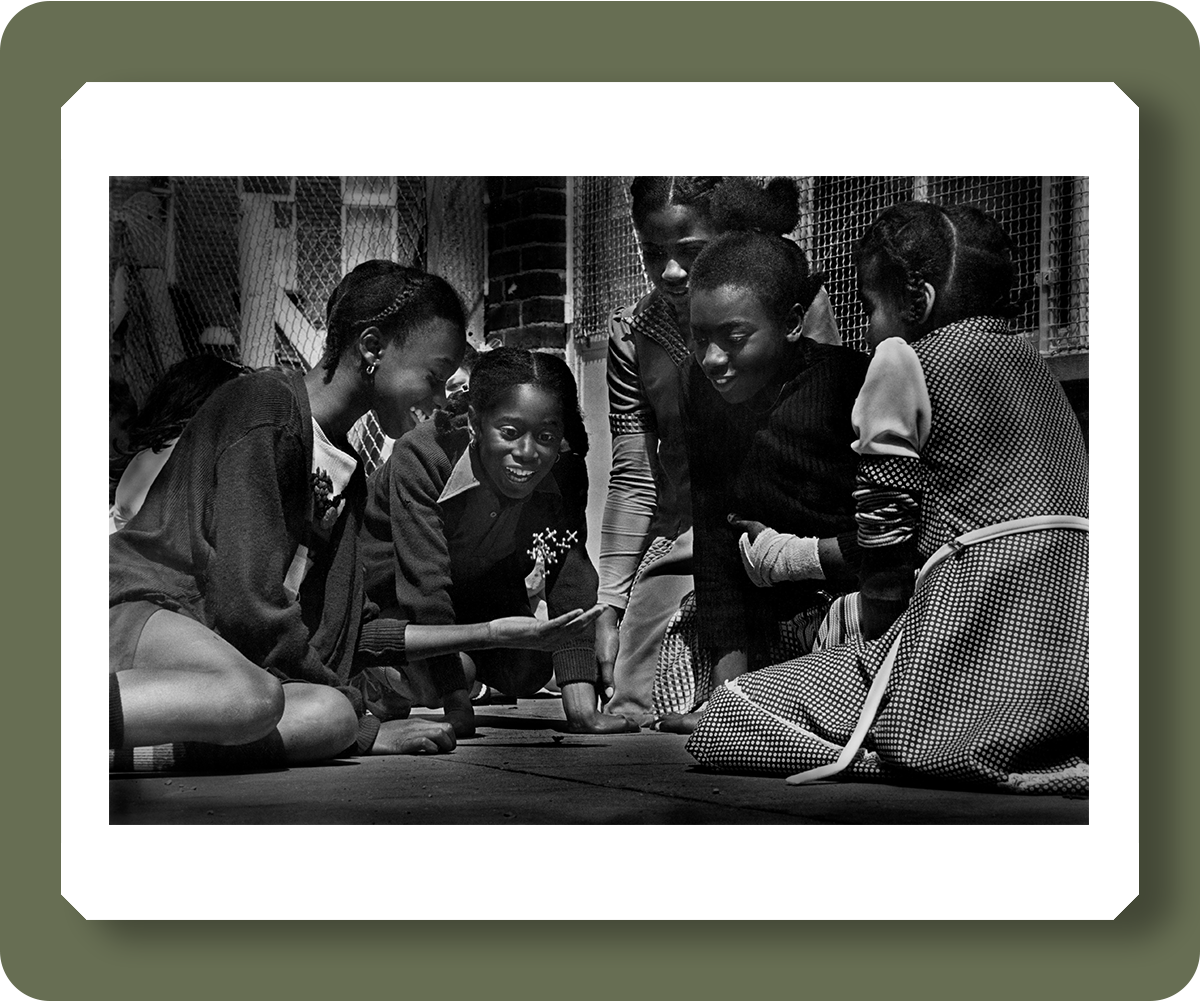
(743, 204)
(783, 196)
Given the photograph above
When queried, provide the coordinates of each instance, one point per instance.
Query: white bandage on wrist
(774, 558)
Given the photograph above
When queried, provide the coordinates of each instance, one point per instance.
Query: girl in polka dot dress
(972, 468)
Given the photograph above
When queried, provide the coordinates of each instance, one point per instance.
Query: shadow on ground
(523, 769)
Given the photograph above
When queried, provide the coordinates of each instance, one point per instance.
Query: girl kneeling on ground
(242, 569)
(646, 537)
(972, 467)
(459, 515)
(767, 411)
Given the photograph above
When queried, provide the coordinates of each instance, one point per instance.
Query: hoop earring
(370, 369)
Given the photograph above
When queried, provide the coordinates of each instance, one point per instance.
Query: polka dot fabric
(990, 684)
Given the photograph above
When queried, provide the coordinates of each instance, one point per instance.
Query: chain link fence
(1046, 217)
(606, 262)
(244, 266)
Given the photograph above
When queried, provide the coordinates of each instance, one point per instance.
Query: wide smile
(722, 382)
(518, 476)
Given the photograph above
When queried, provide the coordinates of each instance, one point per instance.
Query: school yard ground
(523, 768)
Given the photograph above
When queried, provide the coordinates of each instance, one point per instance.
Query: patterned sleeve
(632, 497)
(892, 418)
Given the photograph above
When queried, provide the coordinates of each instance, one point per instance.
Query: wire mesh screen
(1065, 278)
(1016, 202)
(607, 264)
(836, 211)
(1046, 217)
(244, 266)
(457, 242)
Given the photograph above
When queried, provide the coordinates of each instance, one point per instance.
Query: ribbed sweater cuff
(381, 641)
(368, 730)
(574, 663)
(851, 554)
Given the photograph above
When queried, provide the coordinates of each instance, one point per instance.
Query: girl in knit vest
(242, 570)
(462, 511)
(767, 413)
(646, 542)
(972, 468)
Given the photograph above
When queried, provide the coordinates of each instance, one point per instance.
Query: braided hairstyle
(726, 203)
(773, 267)
(391, 297)
(499, 370)
(960, 250)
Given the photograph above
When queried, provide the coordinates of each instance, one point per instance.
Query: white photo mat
(971, 872)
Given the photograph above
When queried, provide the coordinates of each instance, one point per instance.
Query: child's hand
(608, 643)
(414, 735)
(751, 528)
(460, 714)
(527, 633)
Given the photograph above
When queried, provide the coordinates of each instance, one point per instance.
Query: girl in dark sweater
(465, 507)
(242, 568)
(767, 413)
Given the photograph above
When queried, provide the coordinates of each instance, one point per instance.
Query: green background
(48, 951)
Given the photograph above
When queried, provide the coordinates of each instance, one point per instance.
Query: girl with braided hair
(465, 506)
(239, 631)
(972, 467)
(646, 543)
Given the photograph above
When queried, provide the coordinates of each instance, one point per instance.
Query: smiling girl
(237, 619)
(646, 544)
(973, 468)
(768, 417)
(455, 518)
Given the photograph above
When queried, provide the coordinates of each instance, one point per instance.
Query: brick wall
(527, 261)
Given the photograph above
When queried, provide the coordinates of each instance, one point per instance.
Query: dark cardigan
(222, 523)
(784, 459)
(412, 569)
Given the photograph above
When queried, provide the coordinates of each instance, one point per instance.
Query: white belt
(879, 684)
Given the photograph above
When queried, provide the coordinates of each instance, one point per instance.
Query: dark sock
(116, 718)
(261, 754)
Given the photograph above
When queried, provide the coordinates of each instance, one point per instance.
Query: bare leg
(318, 723)
(188, 684)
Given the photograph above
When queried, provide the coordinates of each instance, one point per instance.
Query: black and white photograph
(634, 499)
